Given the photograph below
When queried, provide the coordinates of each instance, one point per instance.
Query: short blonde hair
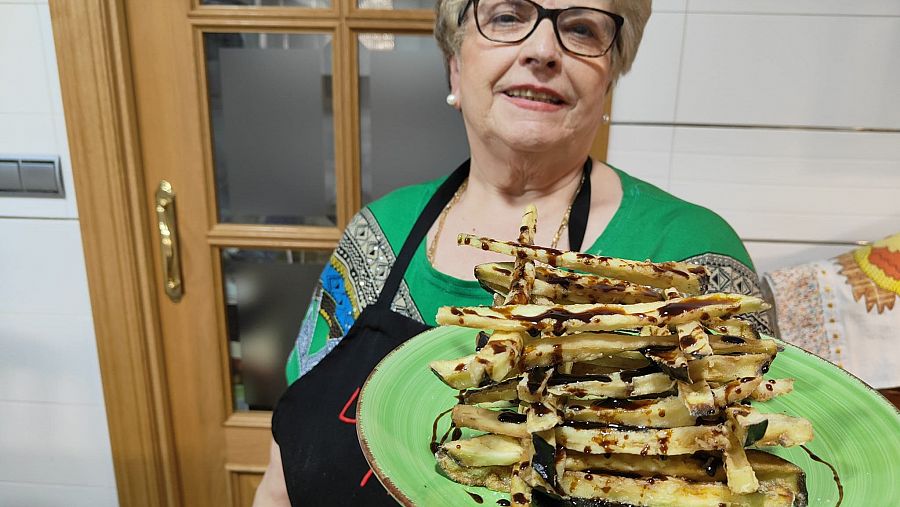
(449, 34)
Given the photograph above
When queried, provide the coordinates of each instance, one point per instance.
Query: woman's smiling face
(532, 96)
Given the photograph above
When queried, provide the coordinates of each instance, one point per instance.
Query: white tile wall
(810, 192)
(847, 183)
(657, 68)
(46, 443)
(54, 495)
(811, 7)
(31, 119)
(24, 88)
(642, 151)
(829, 70)
(669, 6)
(54, 440)
(49, 358)
(769, 256)
(43, 268)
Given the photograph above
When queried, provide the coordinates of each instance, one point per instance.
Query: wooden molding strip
(274, 236)
(94, 71)
(250, 419)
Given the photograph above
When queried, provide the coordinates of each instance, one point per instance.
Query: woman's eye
(506, 18)
(582, 30)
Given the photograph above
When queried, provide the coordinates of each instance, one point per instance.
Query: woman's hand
(272, 491)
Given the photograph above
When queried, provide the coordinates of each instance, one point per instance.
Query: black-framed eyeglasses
(584, 31)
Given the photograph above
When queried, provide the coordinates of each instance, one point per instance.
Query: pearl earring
(452, 100)
(605, 118)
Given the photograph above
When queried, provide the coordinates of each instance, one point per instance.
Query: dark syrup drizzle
(476, 497)
(837, 479)
(434, 440)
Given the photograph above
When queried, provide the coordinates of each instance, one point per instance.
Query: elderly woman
(530, 80)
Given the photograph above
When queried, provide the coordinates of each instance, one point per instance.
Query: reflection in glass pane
(408, 133)
(272, 127)
(313, 4)
(266, 293)
(396, 4)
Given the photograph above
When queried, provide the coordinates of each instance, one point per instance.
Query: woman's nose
(542, 48)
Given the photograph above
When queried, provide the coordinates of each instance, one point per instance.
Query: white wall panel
(794, 143)
(52, 71)
(24, 85)
(31, 118)
(791, 70)
(48, 443)
(60, 135)
(648, 92)
(42, 267)
(785, 184)
(49, 358)
(24, 133)
(669, 6)
(54, 440)
(642, 151)
(766, 224)
(768, 256)
(815, 7)
(44, 495)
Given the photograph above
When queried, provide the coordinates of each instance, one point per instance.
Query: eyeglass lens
(584, 31)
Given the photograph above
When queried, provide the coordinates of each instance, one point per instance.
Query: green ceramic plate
(856, 429)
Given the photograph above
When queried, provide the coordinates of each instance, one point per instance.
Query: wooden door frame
(91, 42)
(95, 77)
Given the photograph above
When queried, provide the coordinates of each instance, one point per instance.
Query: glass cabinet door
(272, 127)
(408, 133)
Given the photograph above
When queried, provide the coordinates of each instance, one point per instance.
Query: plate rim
(401, 497)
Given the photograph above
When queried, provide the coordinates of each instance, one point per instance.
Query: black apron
(314, 422)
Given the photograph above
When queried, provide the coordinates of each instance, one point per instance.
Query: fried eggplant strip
(565, 286)
(780, 482)
(673, 362)
(723, 369)
(522, 277)
(614, 385)
(732, 327)
(665, 412)
(499, 357)
(490, 421)
(666, 442)
(561, 319)
(687, 278)
(586, 347)
(728, 344)
(668, 412)
(699, 467)
(485, 450)
(698, 398)
(741, 477)
(771, 388)
(495, 478)
(782, 430)
(669, 492)
(693, 339)
(715, 368)
(503, 350)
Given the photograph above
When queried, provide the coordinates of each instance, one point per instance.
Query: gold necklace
(456, 196)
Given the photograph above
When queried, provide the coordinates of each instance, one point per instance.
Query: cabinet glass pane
(396, 4)
(272, 127)
(313, 4)
(408, 133)
(266, 294)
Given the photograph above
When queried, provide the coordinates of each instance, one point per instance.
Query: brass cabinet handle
(168, 240)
